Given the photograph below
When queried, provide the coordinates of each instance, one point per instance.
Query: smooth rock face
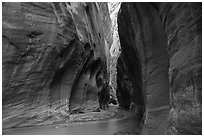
(53, 57)
(161, 47)
(124, 85)
(144, 52)
(183, 27)
(56, 61)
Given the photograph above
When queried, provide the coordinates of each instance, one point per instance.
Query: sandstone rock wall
(144, 51)
(124, 85)
(53, 56)
(115, 47)
(182, 23)
(161, 47)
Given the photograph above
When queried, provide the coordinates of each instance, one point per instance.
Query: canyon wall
(161, 53)
(115, 47)
(182, 23)
(55, 60)
(144, 52)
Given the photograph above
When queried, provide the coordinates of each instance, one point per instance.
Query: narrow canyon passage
(101, 68)
(127, 125)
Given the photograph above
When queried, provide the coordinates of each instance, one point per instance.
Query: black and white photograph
(101, 68)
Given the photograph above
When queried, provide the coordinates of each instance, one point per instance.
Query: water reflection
(127, 125)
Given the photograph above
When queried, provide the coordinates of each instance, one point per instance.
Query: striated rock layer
(182, 23)
(115, 47)
(161, 55)
(55, 57)
(144, 52)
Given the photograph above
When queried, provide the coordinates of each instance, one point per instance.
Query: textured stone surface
(161, 44)
(124, 86)
(113, 9)
(183, 27)
(59, 57)
(115, 47)
(143, 45)
(53, 56)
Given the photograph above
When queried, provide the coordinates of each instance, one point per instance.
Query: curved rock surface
(54, 55)
(161, 47)
(183, 27)
(144, 52)
(58, 58)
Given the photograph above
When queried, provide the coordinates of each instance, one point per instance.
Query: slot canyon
(102, 68)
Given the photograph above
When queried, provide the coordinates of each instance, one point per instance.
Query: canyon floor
(108, 122)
